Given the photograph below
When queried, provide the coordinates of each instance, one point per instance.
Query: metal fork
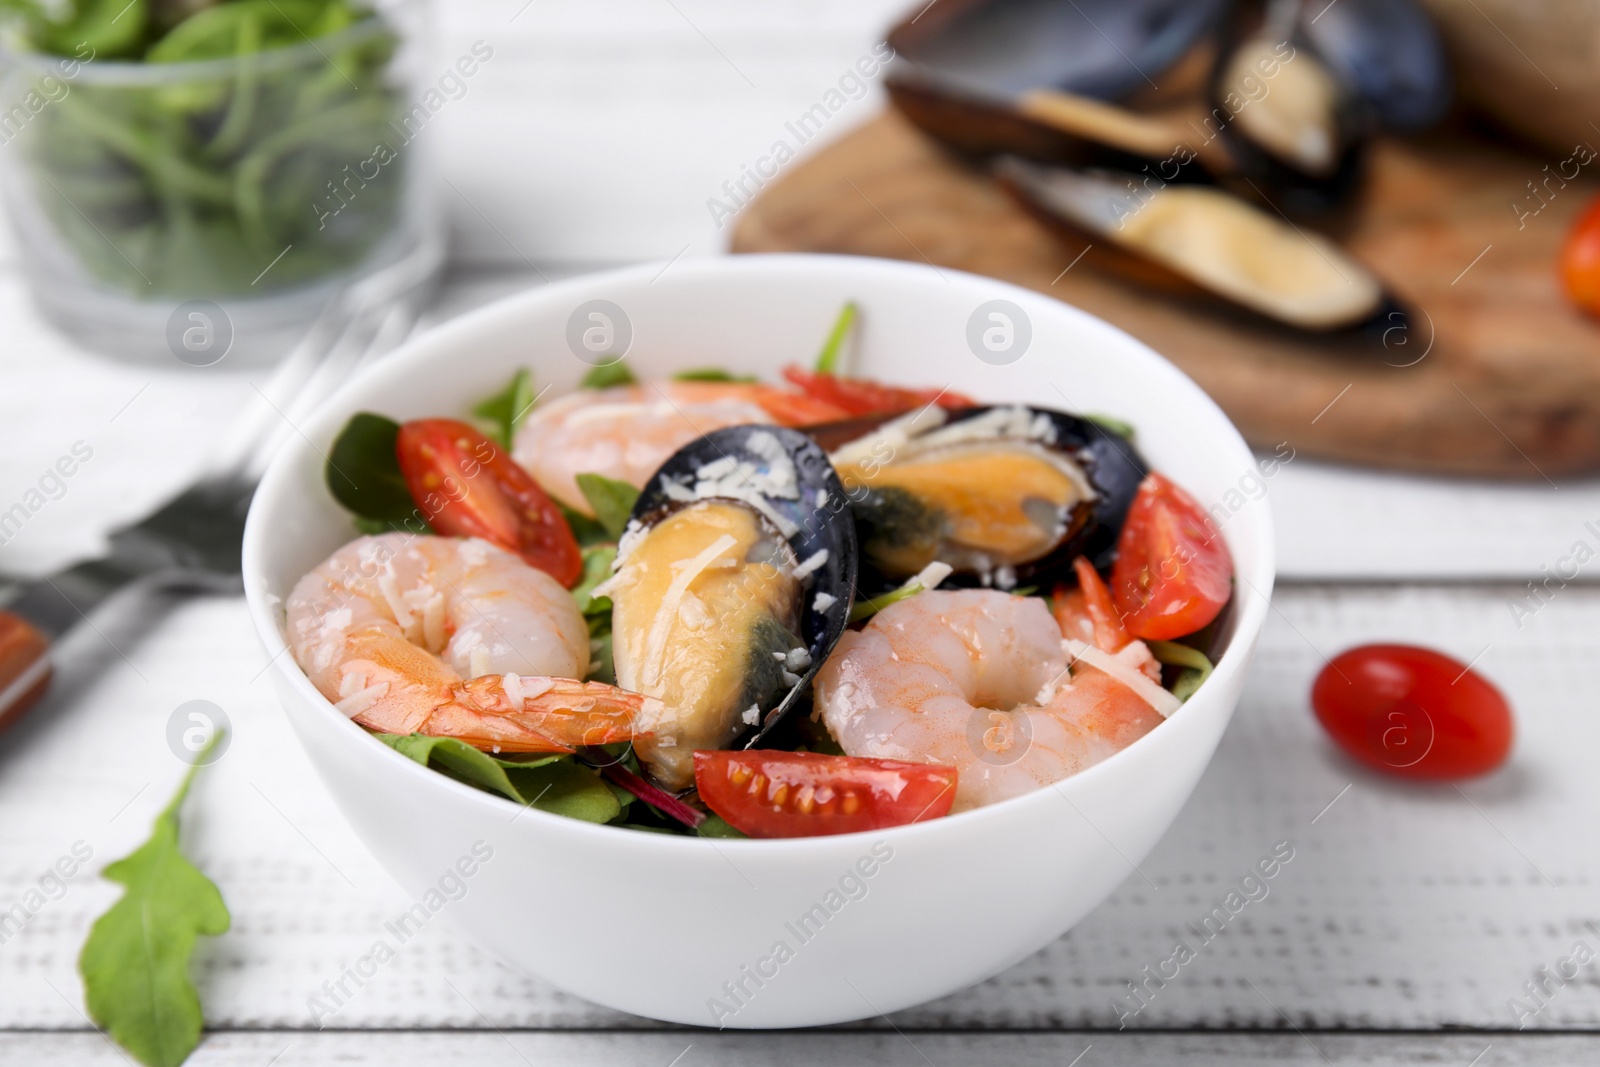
(192, 542)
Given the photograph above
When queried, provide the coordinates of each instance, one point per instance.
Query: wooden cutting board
(1503, 376)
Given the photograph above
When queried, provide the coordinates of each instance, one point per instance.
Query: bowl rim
(264, 609)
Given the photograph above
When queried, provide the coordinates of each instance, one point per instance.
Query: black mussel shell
(968, 71)
(817, 518)
(1002, 48)
(1110, 462)
(1390, 55)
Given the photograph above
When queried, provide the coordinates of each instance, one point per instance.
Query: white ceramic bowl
(790, 932)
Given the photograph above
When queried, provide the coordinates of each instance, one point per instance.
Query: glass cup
(149, 198)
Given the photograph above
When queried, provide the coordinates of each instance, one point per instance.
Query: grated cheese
(362, 701)
(1158, 698)
(810, 564)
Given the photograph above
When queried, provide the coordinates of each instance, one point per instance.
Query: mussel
(1295, 131)
(1216, 242)
(1298, 94)
(1005, 495)
(1036, 77)
(734, 580)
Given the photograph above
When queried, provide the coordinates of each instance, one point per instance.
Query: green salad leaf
(587, 531)
(597, 561)
(828, 358)
(608, 375)
(611, 500)
(363, 474)
(712, 374)
(602, 664)
(253, 178)
(716, 826)
(557, 784)
(135, 963)
(1196, 665)
(865, 609)
(508, 409)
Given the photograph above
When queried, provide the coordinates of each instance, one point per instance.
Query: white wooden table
(1402, 930)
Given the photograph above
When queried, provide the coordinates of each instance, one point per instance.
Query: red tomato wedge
(1173, 572)
(1580, 260)
(467, 487)
(858, 396)
(788, 408)
(1412, 712)
(806, 794)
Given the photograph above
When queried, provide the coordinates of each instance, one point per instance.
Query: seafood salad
(724, 607)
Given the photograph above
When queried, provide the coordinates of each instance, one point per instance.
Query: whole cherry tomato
(1412, 712)
(1580, 260)
(769, 793)
(1173, 573)
(467, 487)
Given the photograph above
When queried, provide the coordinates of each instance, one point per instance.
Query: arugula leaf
(508, 408)
(602, 664)
(587, 531)
(1197, 666)
(597, 560)
(828, 358)
(189, 188)
(611, 500)
(363, 472)
(555, 784)
(712, 374)
(135, 963)
(464, 761)
(865, 609)
(608, 375)
(716, 826)
(413, 525)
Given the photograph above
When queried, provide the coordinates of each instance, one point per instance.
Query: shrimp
(454, 637)
(627, 431)
(985, 682)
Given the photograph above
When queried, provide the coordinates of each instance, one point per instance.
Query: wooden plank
(1404, 906)
(825, 1048)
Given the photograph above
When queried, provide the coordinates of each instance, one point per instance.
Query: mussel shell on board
(999, 49)
(1034, 77)
(902, 524)
(1296, 134)
(777, 487)
(1209, 241)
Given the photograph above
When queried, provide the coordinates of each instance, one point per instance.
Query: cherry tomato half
(467, 487)
(805, 794)
(1173, 572)
(858, 396)
(1580, 260)
(1412, 712)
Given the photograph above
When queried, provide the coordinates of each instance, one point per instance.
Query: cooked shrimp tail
(455, 638)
